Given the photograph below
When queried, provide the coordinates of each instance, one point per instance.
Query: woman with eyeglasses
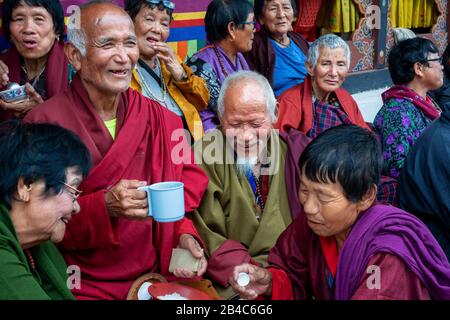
(41, 168)
(229, 28)
(278, 53)
(160, 74)
(415, 68)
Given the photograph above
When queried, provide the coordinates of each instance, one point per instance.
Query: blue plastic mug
(165, 200)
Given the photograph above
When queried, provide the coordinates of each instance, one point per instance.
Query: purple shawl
(392, 230)
(208, 54)
(405, 93)
(297, 142)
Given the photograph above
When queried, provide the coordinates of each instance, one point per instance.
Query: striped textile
(187, 33)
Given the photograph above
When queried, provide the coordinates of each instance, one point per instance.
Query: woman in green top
(41, 167)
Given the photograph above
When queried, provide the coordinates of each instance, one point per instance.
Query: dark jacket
(424, 184)
(262, 56)
(442, 95)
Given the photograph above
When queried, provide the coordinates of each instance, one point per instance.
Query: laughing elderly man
(246, 205)
(129, 138)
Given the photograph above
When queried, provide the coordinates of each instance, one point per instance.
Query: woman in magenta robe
(342, 246)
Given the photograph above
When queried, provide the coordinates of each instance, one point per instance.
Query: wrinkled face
(152, 25)
(328, 211)
(111, 50)
(244, 35)
(330, 70)
(50, 215)
(277, 17)
(433, 74)
(246, 122)
(32, 31)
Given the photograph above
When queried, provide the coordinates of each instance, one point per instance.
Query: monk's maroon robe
(110, 252)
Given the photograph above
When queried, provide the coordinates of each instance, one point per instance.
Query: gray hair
(75, 35)
(331, 41)
(235, 78)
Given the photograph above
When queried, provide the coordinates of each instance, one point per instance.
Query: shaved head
(89, 17)
(95, 13)
(103, 49)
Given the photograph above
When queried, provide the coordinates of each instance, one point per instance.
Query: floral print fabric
(399, 124)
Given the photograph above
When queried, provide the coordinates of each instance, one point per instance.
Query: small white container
(243, 279)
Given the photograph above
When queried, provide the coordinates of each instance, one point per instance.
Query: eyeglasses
(251, 23)
(438, 59)
(74, 192)
(166, 3)
(428, 65)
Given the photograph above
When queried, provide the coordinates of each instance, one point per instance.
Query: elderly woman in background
(160, 74)
(35, 29)
(229, 29)
(415, 68)
(343, 246)
(319, 102)
(41, 167)
(278, 53)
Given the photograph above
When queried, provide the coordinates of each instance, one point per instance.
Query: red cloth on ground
(295, 108)
(56, 71)
(111, 252)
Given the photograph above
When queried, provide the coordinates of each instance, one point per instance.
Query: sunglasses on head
(166, 3)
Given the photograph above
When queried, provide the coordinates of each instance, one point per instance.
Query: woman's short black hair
(38, 152)
(132, 7)
(259, 7)
(405, 54)
(222, 12)
(53, 7)
(346, 154)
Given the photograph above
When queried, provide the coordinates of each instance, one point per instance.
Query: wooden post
(448, 23)
(381, 35)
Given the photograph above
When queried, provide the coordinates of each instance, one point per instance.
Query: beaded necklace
(36, 78)
(256, 184)
(216, 51)
(147, 89)
(259, 198)
(30, 259)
